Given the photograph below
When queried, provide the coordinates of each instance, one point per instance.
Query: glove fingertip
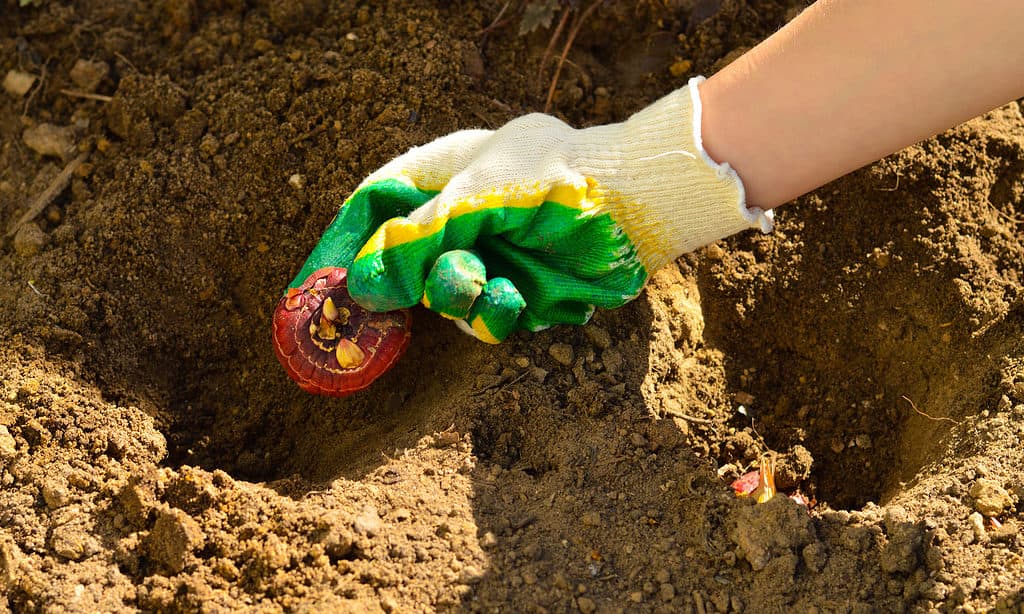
(454, 283)
(372, 288)
(495, 313)
(478, 331)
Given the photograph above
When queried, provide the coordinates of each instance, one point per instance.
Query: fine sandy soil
(154, 456)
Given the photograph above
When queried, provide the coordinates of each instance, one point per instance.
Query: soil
(154, 456)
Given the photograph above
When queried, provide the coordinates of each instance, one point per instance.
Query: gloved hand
(537, 223)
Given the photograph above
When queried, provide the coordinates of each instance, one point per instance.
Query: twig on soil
(933, 418)
(35, 92)
(893, 188)
(688, 417)
(698, 601)
(36, 290)
(565, 51)
(551, 43)
(1005, 216)
(497, 23)
(86, 95)
(501, 384)
(126, 61)
(302, 137)
(482, 117)
(51, 192)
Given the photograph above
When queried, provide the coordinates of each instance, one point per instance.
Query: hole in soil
(841, 389)
(266, 428)
(837, 358)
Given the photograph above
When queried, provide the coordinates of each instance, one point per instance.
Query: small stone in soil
(562, 353)
(29, 241)
(990, 498)
(55, 494)
(173, 538)
(667, 592)
(17, 83)
(367, 522)
(50, 140)
(8, 446)
(598, 336)
(72, 542)
(87, 74)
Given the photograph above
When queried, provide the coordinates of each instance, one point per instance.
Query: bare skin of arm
(850, 81)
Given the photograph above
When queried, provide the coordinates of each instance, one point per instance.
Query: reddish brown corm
(329, 344)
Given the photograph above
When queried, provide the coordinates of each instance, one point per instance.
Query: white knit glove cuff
(660, 184)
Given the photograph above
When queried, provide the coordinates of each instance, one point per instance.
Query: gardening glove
(536, 223)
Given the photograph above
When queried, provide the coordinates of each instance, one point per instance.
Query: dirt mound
(153, 455)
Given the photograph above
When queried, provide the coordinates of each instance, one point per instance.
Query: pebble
(209, 145)
(562, 353)
(560, 581)
(72, 542)
(488, 540)
(174, 537)
(262, 45)
(736, 603)
(17, 83)
(29, 240)
(8, 447)
(336, 540)
(297, 181)
(743, 398)
(54, 214)
(680, 67)
(275, 553)
(667, 592)
(990, 498)
(55, 493)
(934, 591)
(50, 140)
(471, 574)
(612, 360)
(592, 519)
(87, 74)
(367, 522)
(714, 252)
(977, 524)
(11, 561)
(586, 605)
(598, 336)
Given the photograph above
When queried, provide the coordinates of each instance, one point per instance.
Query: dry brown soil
(154, 456)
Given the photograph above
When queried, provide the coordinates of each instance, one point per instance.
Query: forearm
(850, 81)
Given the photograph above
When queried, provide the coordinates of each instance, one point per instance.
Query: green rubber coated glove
(537, 223)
